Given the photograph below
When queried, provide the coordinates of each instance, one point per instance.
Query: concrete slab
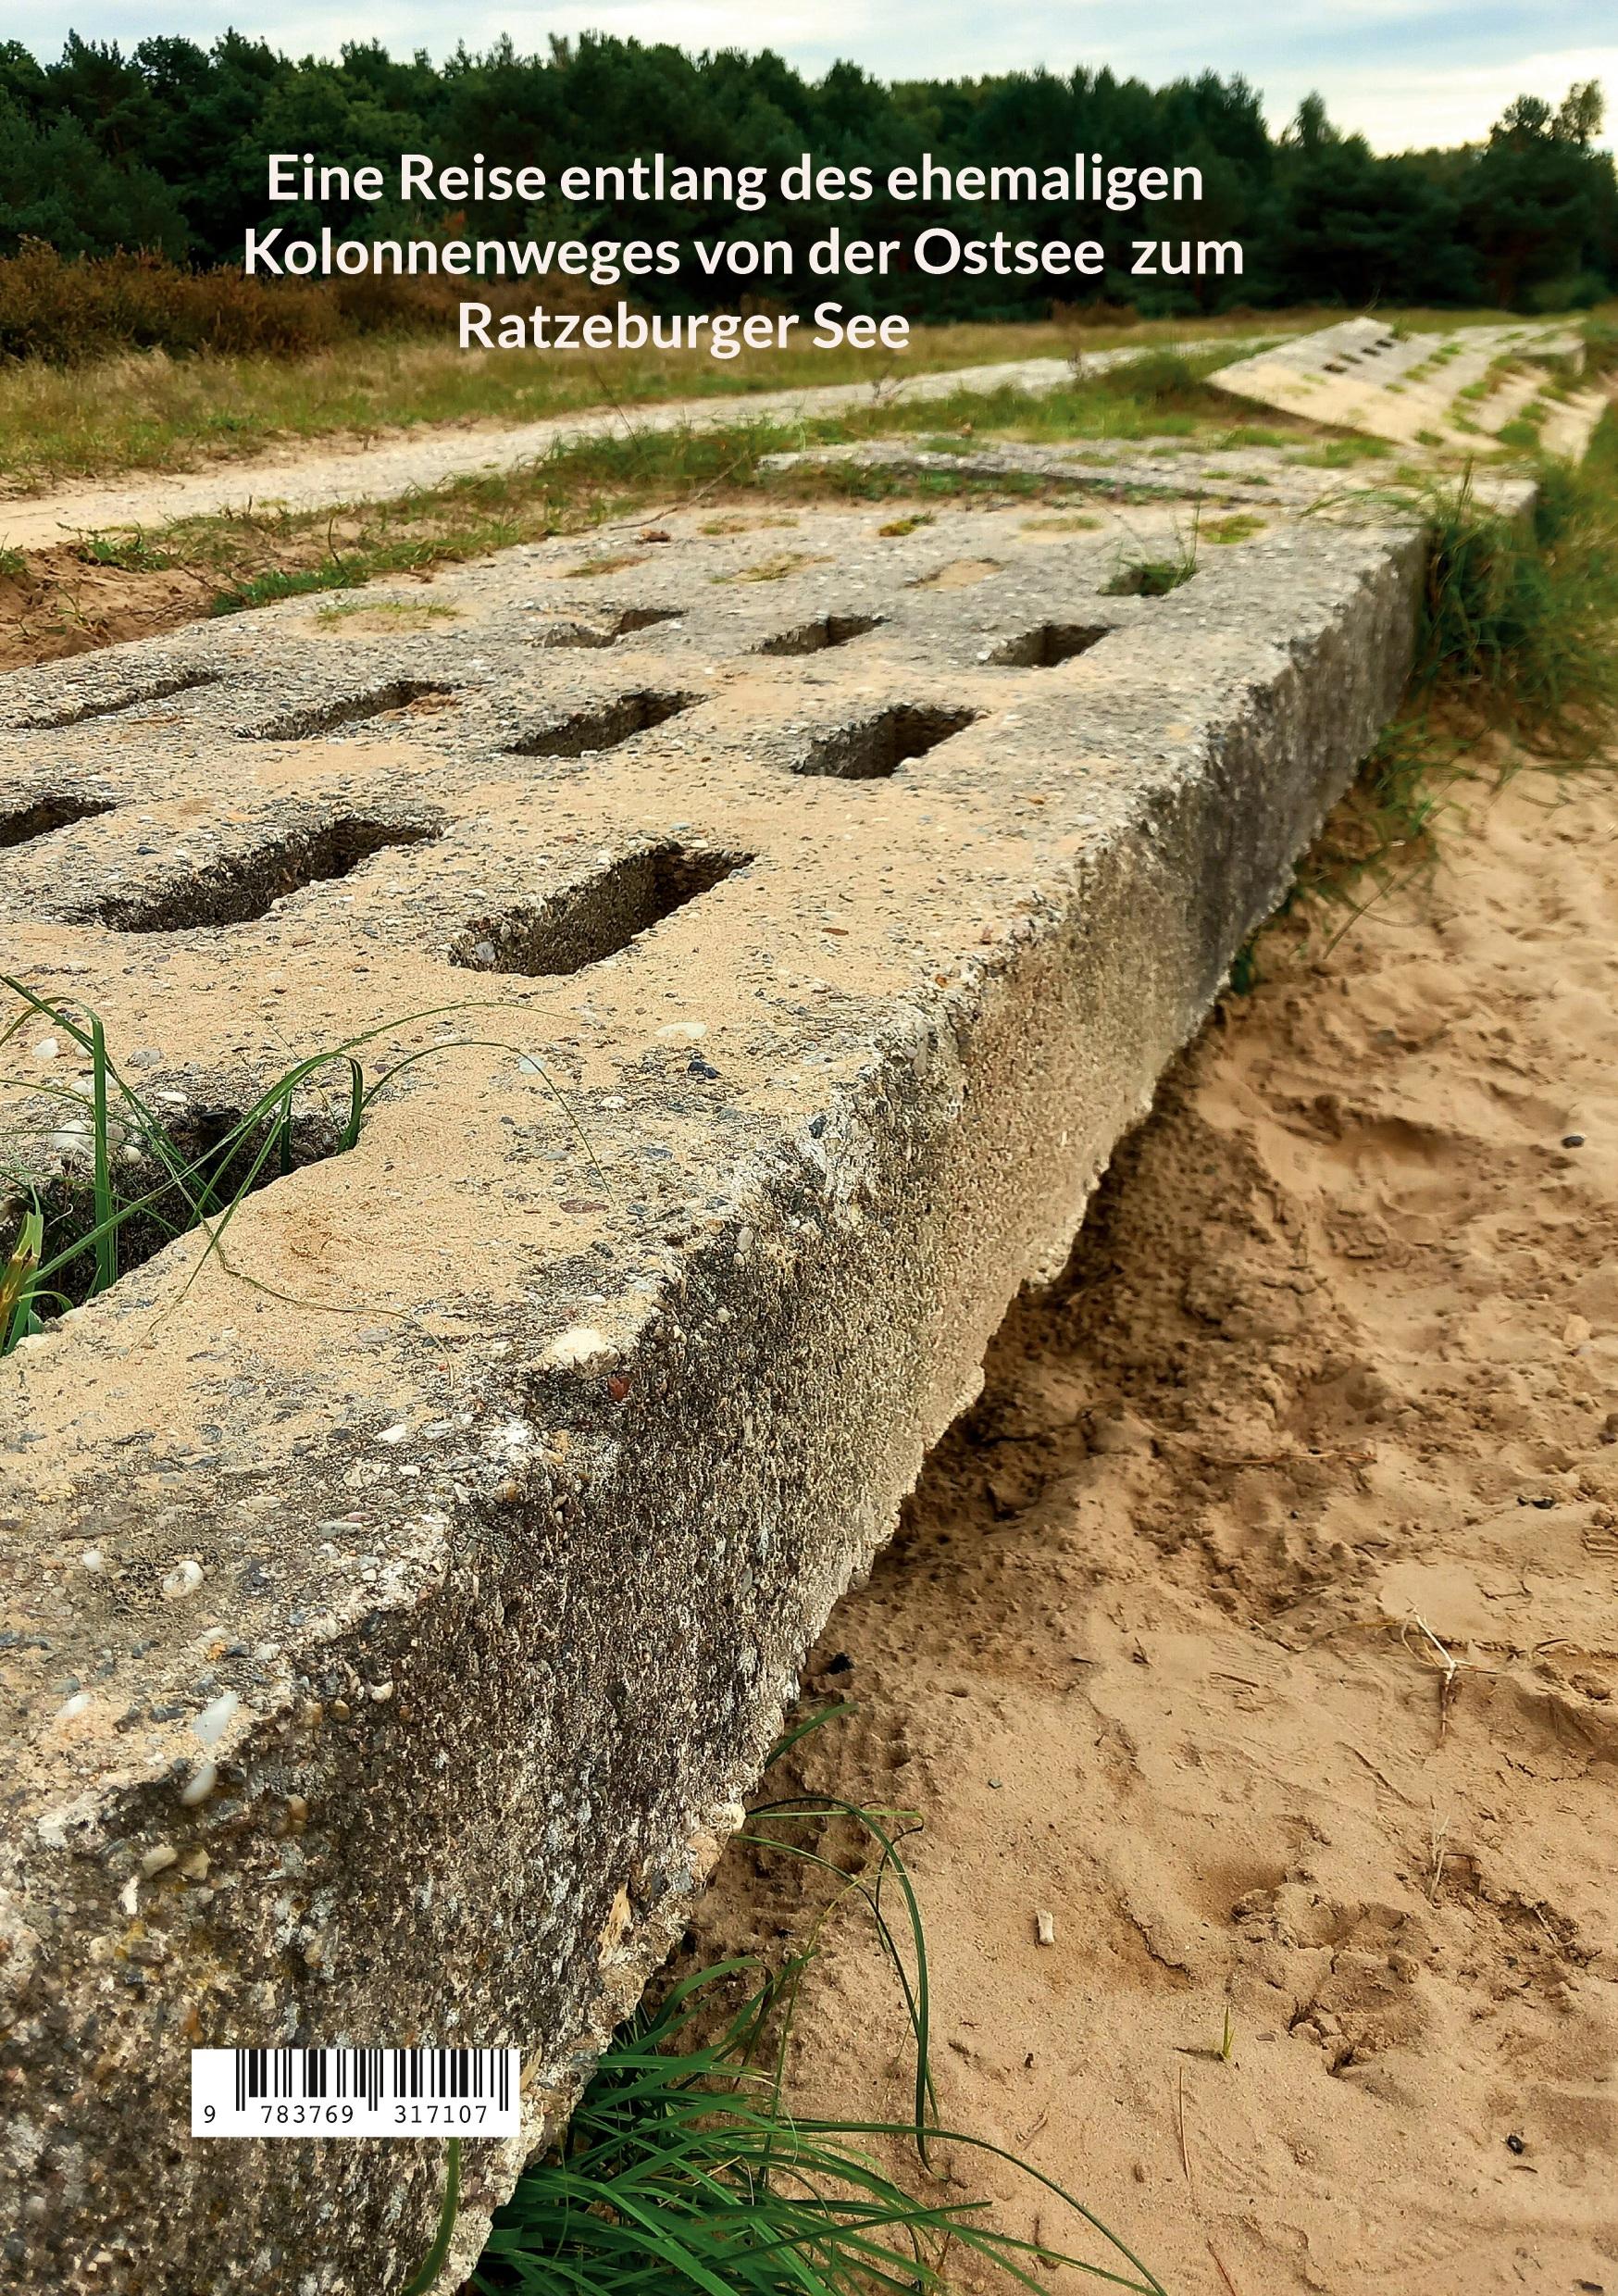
(1458, 391)
(394, 1608)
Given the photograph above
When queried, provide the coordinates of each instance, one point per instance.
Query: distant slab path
(428, 456)
(1452, 391)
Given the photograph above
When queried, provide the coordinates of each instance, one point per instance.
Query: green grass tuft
(1518, 638)
(119, 1181)
(685, 2169)
(1239, 527)
(128, 550)
(1149, 577)
(270, 588)
(1156, 577)
(1519, 624)
(147, 1181)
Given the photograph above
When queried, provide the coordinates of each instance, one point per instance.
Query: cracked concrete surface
(799, 924)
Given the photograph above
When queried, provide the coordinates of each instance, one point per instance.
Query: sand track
(1330, 1384)
(429, 457)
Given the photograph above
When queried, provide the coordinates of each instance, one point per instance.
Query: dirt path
(428, 457)
(1261, 1624)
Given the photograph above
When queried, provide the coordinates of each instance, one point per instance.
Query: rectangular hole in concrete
(604, 725)
(1048, 644)
(576, 631)
(36, 817)
(826, 630)
(238, 887)
(589, 921)
(351, 710)
(218, 1166)
(159, 690)
(877, 746)
(634, 617)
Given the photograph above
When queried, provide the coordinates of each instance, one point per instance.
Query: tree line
(164, 149)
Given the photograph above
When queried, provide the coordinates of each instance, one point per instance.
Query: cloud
(1410, 108)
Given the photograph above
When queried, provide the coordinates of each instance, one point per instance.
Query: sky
(1401, 72)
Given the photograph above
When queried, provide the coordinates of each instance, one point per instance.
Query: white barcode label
(356, 2092)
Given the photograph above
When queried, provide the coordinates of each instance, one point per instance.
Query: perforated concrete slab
(392, 1616)
(1454, 392)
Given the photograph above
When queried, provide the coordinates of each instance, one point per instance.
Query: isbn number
(348, 2091)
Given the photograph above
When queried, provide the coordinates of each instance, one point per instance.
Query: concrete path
(397, 1613)
(1458, 391)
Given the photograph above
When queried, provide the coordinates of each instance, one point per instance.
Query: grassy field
(147, 411)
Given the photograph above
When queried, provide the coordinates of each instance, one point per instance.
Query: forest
(163, 151)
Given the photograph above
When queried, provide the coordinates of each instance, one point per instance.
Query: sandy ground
(1261, 1624)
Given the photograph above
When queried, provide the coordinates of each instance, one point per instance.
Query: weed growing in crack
(130, 1179)
(1144, 577)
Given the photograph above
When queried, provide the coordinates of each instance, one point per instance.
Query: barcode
(354, 2092)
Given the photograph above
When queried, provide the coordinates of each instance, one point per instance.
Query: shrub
(68, 310)
(1519, 618)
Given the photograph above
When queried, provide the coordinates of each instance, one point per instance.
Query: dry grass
(148, 411)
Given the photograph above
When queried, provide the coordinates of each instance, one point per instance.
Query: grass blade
(684, 2173)
(105, 1225)
(433, 2264)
